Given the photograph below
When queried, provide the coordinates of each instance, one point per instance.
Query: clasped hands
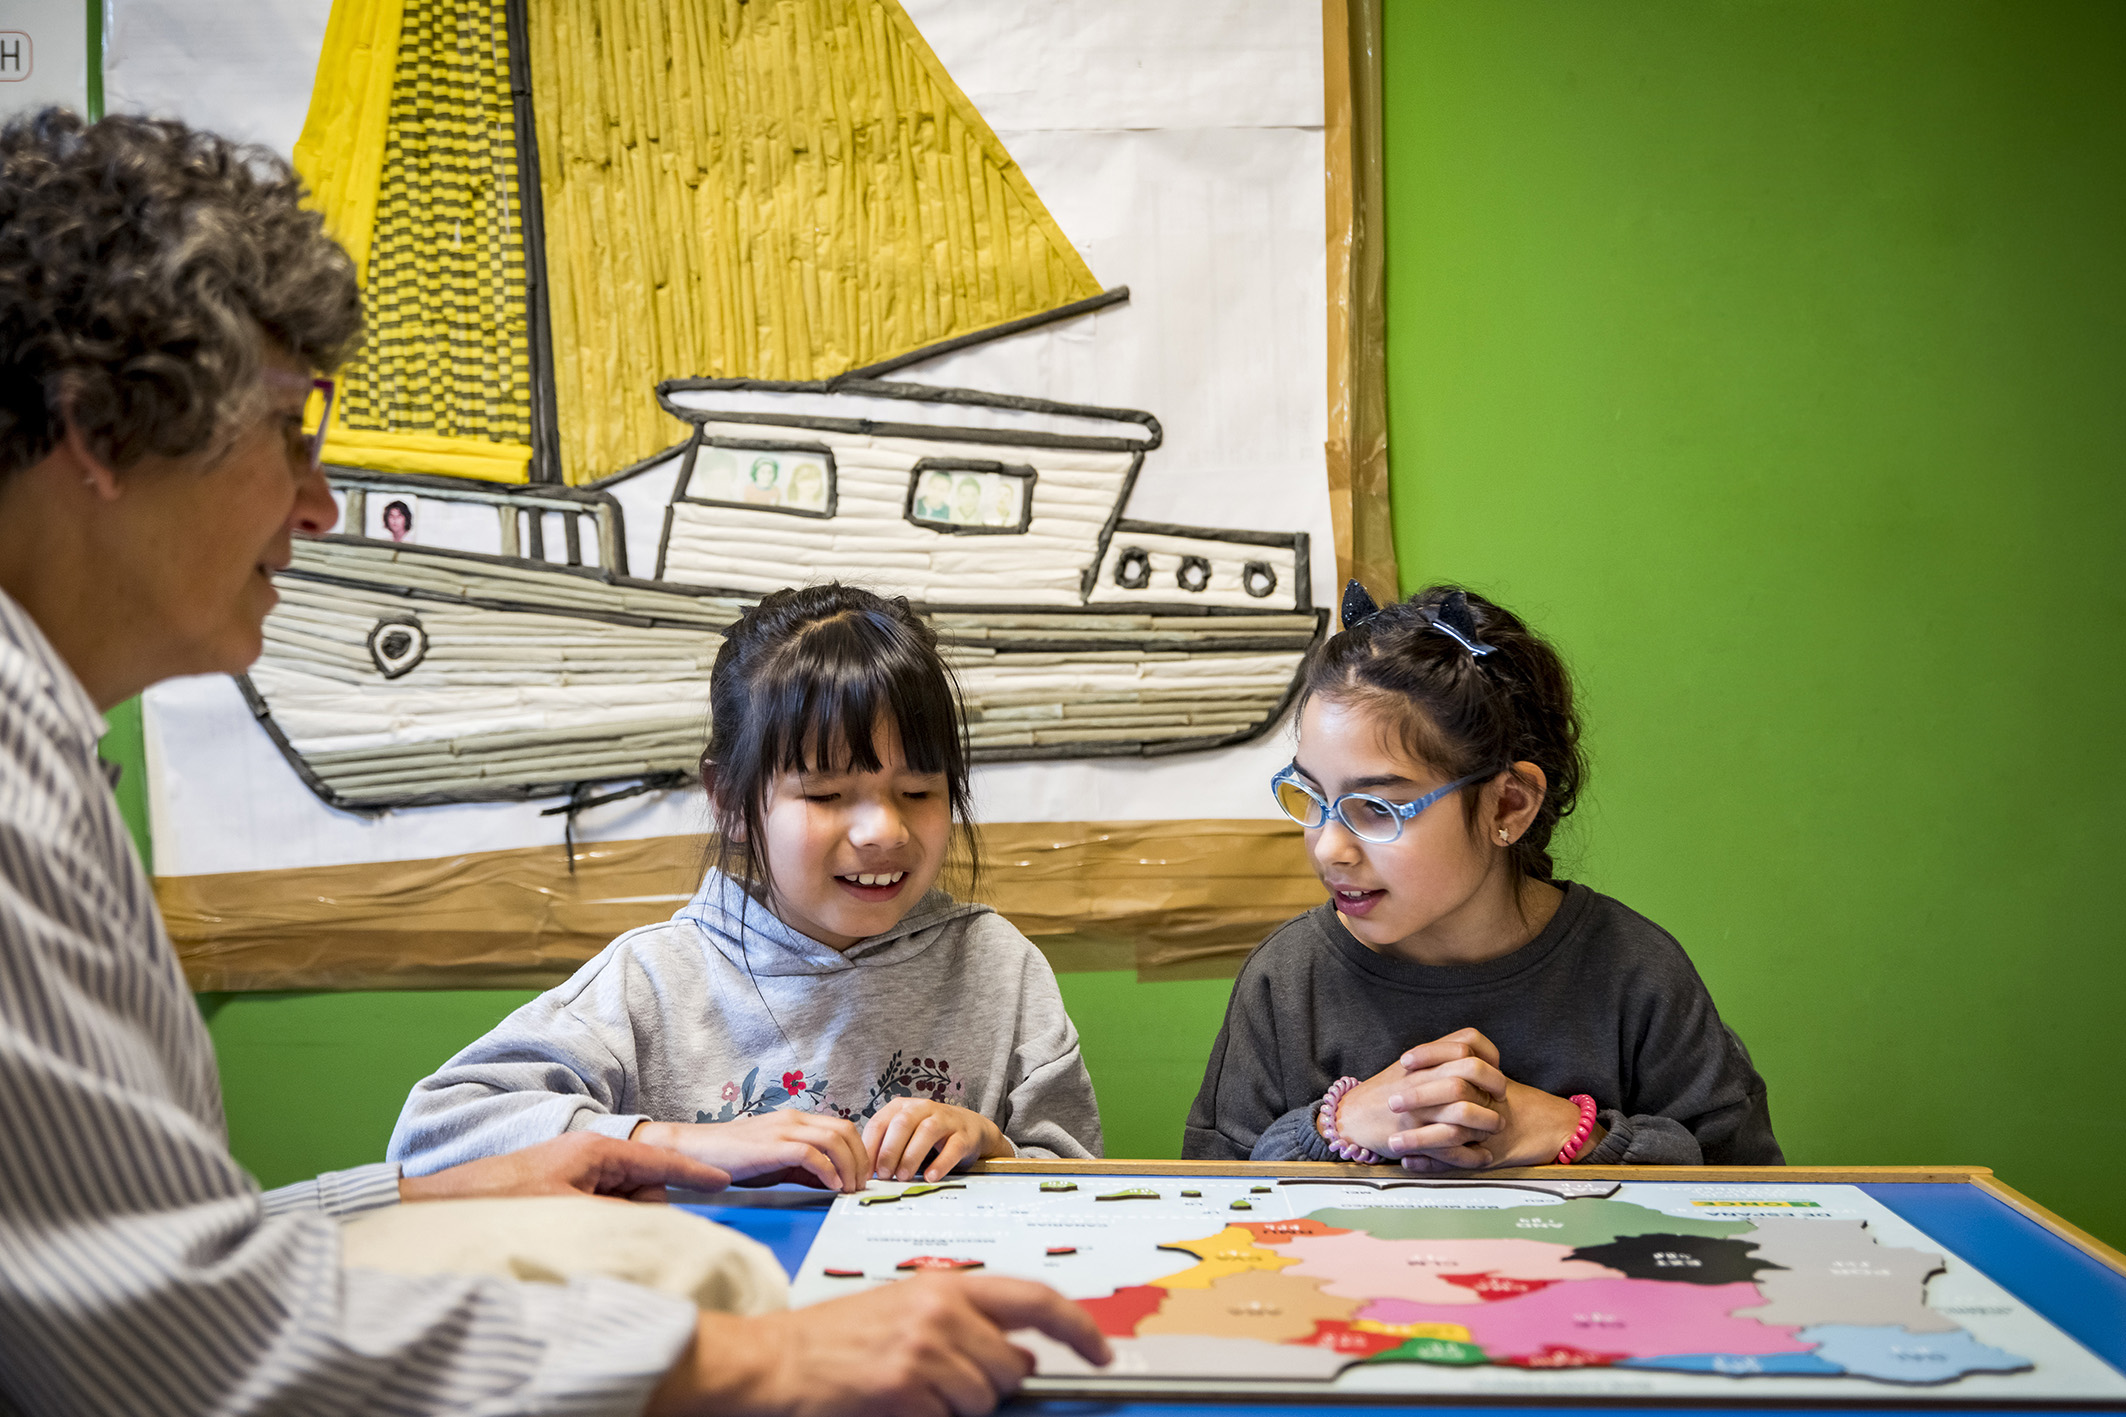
(1445, 1106)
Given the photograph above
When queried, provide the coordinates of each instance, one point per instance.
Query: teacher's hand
(933, 1346)
(580, 1163)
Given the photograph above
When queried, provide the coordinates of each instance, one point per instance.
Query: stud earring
(1502, 836)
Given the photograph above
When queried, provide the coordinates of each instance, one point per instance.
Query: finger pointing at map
(922, 1347)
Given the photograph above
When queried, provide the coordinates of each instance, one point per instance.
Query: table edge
(1763, 1175)
(2059, 1225)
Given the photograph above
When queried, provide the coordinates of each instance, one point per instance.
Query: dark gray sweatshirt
(1603, 1001)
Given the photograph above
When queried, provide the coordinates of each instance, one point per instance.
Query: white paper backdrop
(1177, 143)
(44, 55)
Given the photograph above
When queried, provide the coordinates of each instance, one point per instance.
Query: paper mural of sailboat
(636, 274)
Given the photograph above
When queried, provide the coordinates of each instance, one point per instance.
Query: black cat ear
(1454, 619)
(1358, 606)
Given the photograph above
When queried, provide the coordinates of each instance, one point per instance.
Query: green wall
(314, 1081)
(1770, 356)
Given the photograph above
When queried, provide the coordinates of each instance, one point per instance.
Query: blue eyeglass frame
(1399, 812)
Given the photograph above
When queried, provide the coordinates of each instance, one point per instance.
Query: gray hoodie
(705, 1019)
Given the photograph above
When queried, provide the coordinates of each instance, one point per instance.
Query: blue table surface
(2083, 1297)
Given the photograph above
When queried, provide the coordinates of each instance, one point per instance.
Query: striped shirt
(141, 1270)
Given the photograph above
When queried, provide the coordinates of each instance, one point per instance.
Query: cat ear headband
(1451, 617)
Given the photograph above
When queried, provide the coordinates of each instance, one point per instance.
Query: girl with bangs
(819, 1010)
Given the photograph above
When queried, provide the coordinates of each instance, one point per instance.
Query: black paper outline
(545, 469)
(452, 489)
(376, 656)
(750, 445)
(1114, 295)
(1285, 641)
(1027, 474)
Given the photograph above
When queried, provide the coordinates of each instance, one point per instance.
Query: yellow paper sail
(409, 148)
(774, 189)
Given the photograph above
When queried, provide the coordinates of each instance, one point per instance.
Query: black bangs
(802, 684)
(822, 699)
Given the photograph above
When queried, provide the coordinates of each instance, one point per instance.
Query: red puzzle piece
(1339, 1337)
(1557, 1355)
(1492, 1287)
(1119, 1313)
(1276, 1232)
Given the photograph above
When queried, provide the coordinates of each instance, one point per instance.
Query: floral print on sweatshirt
(903, 1076)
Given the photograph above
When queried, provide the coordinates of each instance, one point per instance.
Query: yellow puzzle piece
(1231, 1251)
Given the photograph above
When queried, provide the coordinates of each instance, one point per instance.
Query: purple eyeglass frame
(320, 385)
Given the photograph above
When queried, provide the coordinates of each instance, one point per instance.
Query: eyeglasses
(308, 446)
(1365, 816)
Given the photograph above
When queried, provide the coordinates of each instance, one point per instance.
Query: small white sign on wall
(44, 55)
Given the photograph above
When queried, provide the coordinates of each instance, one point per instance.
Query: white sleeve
(340, 1194)
(139, 1272)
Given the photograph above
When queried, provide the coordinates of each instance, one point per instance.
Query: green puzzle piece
(1575, 1223)
(1432, 1350)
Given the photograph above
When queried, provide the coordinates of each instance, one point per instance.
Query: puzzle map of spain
(1646, 1289)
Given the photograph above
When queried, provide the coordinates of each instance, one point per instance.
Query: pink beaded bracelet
(1579, 1133)
(1349, 1151)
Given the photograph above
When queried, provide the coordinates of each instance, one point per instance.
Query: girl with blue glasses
(1455, 1004)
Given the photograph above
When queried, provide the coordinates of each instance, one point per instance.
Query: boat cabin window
(404, 515)
(519, 524)
(957, 495)
(778, 477)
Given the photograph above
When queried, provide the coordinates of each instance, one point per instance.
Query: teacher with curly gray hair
(168, 313)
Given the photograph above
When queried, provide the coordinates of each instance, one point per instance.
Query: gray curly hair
(140, 261)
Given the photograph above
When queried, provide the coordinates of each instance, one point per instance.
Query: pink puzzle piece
(1358, 1266)
(1635, 1318)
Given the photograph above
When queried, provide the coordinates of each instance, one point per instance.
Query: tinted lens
(1371, 819)
(1299, 804)
(317, 420)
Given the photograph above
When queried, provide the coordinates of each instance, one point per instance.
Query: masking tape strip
(1357, 446)
(1179, 891)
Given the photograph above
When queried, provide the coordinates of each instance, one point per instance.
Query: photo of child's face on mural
(933, 503)
(398, 520)
(761, 480)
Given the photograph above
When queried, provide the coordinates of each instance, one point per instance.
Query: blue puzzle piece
(1739, 1365)
(1897, 1355)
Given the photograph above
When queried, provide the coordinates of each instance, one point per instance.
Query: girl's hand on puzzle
(761, 1150)
(907, 1129)
(1458, 1112)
